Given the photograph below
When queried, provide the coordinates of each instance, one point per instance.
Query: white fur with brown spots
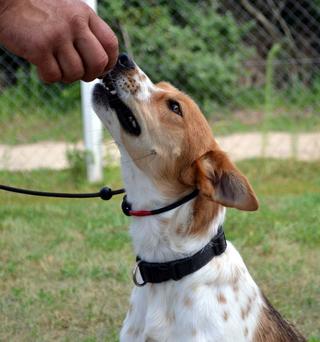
(174, 154)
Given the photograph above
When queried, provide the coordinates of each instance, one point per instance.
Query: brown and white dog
(167, 151)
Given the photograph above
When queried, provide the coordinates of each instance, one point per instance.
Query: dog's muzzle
(106, 94)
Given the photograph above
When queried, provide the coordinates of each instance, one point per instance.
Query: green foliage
(77, 162)
(269, 86)
(195, 45)
(196, 48)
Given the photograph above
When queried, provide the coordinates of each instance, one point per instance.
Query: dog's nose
(125, 62)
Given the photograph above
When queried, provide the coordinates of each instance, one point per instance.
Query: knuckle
(59, 35)
(88, 78)
(113, 44)
(40, 47)
(79, 23)
(113, 51)
(101, 63)
(96, 68)
(73, 75)
(49, 76)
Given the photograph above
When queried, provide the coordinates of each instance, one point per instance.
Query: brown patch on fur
(130, 83)
(164, 221)
(246, 331)
(245, 311)
(272, 327)
(225, 315)
(236, 276)
(186, 156)
(187, 302)
(220, 180)
(204, 212)
(221, 298)
(150, 339)
(220, 183)
(180, 230)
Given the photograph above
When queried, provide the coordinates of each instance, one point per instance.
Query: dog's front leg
(134, 323)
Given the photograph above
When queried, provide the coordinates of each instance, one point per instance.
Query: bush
(192, 46)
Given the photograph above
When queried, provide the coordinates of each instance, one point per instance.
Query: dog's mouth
(125, 115)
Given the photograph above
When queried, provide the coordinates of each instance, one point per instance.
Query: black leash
(105, 193)
(150, 272)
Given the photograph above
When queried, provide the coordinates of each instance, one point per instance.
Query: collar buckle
(135, 275)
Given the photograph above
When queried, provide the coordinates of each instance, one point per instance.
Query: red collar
(127, 208)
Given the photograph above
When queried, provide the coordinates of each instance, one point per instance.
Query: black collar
(154, 272)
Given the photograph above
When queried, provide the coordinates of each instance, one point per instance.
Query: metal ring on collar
(134, 275)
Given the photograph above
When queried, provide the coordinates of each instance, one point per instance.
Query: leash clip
(126, 206)
(135, 274)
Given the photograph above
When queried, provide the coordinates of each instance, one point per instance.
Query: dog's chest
(198, 308)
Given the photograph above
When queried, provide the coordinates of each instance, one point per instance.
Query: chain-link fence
(251, 65)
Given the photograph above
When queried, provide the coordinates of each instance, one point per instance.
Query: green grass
(65, 264)
(31, 112)
(29, 126)
(29, 121)
(23, 128)
(256, 120)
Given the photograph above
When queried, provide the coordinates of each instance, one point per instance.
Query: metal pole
(92, 127)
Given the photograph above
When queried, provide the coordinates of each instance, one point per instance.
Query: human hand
(65, 39)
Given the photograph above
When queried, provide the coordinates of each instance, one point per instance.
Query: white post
(92, 127)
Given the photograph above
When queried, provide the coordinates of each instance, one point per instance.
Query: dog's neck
(162, 237)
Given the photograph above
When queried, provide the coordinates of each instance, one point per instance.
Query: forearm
(65, 39)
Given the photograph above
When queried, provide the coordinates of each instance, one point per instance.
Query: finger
(106, 37)
(49, 70)
(94, 57)
(70, 64)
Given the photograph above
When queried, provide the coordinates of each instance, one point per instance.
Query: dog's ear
(218, 178)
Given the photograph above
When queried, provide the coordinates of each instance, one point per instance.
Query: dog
(192, 285)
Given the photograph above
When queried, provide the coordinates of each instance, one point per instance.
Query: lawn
(65, 264)
(29, 125)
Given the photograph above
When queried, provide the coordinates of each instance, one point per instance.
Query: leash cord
(105, 193)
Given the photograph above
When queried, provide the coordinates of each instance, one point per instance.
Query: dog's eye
(174, 107)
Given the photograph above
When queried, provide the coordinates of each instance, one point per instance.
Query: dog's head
(159, 121)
